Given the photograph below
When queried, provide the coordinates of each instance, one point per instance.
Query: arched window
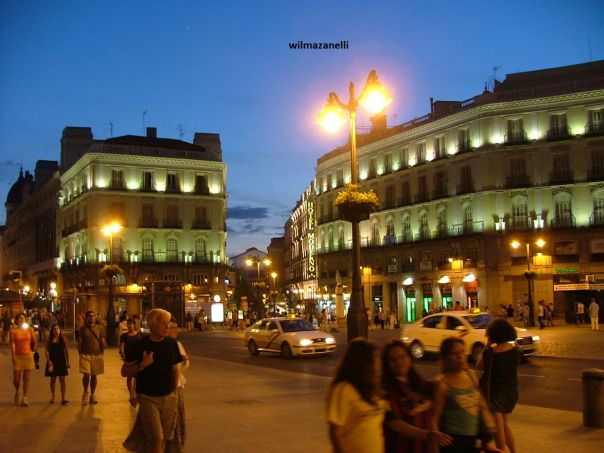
(390, 227)
(200, 250)
(375, 234)
(406, 233)
(520, 220)
(467, 218)
(148, 255)
(442, 226)
(341, 243)
(424, 230)
(597, 216)
(171, 250)
(563, 214)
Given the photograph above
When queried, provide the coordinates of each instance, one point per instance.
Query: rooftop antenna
(589, 45)
(144, 128)
(495, 68)
(181, 130)
(110, 129)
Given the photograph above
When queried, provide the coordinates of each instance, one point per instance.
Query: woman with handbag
(57, 362)
(23, 345)
(499, 380)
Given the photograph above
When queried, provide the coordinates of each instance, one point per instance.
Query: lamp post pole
(529, 279)
(251, 260)
(374, 97)
(111, 324)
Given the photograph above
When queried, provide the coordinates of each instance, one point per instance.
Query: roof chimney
(151, 132)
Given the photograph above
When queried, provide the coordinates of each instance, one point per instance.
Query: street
(551, 381)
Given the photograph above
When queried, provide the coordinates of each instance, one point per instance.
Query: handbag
(101, 348)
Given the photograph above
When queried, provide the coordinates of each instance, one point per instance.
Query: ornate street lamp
(111, 271)
(529, 275)
(374, 97)
(255, 260)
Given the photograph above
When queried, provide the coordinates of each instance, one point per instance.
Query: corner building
(169, 196)
(460, 184)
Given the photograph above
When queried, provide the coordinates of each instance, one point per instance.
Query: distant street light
(274, 276)
(374, 98)
(529, 275)
(111, 271)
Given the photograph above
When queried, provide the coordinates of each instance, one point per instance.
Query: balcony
(201, 225)
(148, 188)
(148, 223)
(518, 223)
(173, 189)
(172, 223)
(515, 181)
(594, 129)
(516, 138)
(117, 185)
(441, 232)
(565, 176)
(202, 190)
(440, 153)
(567, 221)
(558, 133)
(403, 201)
(82, 224)
(422, 197)
(465, 187)
(440, 193)
(387, 204)
(595, 174)
(464, 146)
(468, 227)
(596, 218)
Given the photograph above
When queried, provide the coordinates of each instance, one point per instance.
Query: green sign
(566, 270)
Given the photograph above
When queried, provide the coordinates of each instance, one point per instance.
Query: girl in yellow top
(23, 344)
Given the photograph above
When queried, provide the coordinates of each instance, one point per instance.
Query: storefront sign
(566, 248)
(566, 270)
(597, 286)
(572, 287)
(310, 217)
(596, 246)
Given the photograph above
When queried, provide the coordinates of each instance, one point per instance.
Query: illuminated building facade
(169, 196)
(522, 162)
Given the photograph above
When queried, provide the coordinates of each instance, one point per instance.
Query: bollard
(593, 397)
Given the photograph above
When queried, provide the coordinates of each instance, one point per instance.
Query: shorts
(24, 362)
(158, 416)
(92, 364)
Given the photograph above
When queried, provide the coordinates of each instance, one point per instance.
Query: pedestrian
(580, 310)
(5, 326)
(382, 319)
(410, 397)
(549, 315)
(458, 404)
(541, 314)
(457, 306)
(189, 321)
(499, 381)
(91, 345)
(153, 362)
(526, 313)
(510, 312)
(177, 444)
(122, 326)
(127, 339)
(323, 320)
(23, 346)
(57, 362)
(594, 313)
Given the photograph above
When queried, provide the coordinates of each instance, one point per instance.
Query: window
(432, 322)
(463, 140)
(439, 148)
(406, 232)
(200, 217)
(440, 184)
(442, 222)
(595, 122)
(520, 219)
(453, 323)
(201, 185)
(422, 189)
(562, 211)
(561, 167)
(171, 250)
(389, 201)
(390, 228)
(148, 255)
(117, 212)
(424, 231)
(388, 163)
(148, 219)
(467, 218)
(404, 158)
(516, 132)
(406, 193)
(172, 216)
(200, 250)
(466, 185)
(172, 183)
(557, 126)
(371, 171)
(200, 279)
(148, 183)
(117, 179)
(421, 153)
(375, 234)
(597, 217)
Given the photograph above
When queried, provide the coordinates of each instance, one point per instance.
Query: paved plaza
(231, 408)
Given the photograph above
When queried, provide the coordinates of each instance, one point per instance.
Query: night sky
(226, 67)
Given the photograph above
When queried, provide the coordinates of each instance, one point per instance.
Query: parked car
(289, 336)
(427, 334)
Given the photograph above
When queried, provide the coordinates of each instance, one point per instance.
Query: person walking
(323, 320)
(410, 397)
(458, 403)
(594, 313)
(541, 314)
(23, 346)
(126, 341)
(57, 362)
(91, 345)
(499, 381)
(549, 315)
(177, 444)
(580, 310)
(153, 361)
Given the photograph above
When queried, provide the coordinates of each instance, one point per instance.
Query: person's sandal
(64, 403)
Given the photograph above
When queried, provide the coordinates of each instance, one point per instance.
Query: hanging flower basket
(354, 205)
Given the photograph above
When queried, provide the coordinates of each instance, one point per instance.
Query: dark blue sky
(226, 67)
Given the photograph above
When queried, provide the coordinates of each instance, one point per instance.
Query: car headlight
(305, 342)
(536, 338)
(330, 340)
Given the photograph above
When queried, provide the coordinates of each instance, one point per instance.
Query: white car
(427, 334)
(288, 337)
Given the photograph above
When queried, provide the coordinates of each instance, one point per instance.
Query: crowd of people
(379, 402)
(153, 365)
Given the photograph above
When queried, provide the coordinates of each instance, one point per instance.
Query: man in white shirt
(594, 313)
